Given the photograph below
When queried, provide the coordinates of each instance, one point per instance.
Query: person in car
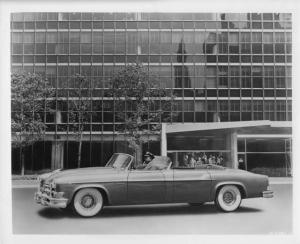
(148, 157)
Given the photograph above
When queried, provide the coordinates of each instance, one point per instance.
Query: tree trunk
(22, 162)
(79, 151)
(139, 154)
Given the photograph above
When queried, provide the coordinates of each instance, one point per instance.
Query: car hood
(80, 175)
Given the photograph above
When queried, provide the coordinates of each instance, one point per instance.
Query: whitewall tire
(88, 202)
(228, 198)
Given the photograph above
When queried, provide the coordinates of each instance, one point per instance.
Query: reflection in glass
(182, 77)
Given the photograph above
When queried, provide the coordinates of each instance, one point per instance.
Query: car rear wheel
(228, 198)
(88, 202)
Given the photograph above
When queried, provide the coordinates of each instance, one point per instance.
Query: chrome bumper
(45, 200)
(267, 194)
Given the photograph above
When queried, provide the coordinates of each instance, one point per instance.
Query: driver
(148, 157)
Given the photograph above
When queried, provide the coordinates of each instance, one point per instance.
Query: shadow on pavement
(143, 210)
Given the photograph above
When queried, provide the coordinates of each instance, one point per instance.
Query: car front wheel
(228, 198)
(88, 202)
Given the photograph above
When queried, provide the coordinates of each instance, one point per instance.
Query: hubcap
(228, 197)
(87, 201)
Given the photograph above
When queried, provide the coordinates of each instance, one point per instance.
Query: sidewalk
(18, 181)
(28, 181)
(280, 180)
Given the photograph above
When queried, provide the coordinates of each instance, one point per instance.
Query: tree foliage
(80, 110)
(140, 104)
(30, 95)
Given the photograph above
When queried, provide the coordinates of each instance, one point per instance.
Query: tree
(138, 105)
(29, 99)
(80, 110)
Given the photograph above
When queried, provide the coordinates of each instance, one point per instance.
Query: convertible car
(87, 190)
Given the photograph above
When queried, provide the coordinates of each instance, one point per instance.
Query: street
(255, 216)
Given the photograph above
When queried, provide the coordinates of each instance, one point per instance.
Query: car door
(146, 186)
(191, 185)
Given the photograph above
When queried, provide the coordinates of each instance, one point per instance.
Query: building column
(57, 155)
(233, 150)
(163, 140)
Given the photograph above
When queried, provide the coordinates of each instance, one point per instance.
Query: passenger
(186, 160)
(241, 164)
(148, 157)
(204, 158)
(198, 160)
(192, 161)
(213, 160)
(218, 160)
(210, 159)
(221, 160)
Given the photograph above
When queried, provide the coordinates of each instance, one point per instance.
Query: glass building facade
(220, 66)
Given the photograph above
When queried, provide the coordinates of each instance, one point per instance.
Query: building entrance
(200, 148)
(269, 156)
(192, 158)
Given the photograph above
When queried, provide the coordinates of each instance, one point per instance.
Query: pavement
(271, 216)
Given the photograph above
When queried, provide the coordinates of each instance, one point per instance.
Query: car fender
(95, 185)
(222, 183)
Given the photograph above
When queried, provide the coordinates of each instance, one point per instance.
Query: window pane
(74, 36)
(28, 48)
(120, 37)
(17, 37)
(108, 37)
(29, 25)
(279, 48)
(18, 25)
(86, 48)
(17, 48)
(63, 48)
(74, 48)
(17, 16)
(28, 16)
(52, 25)
(233, 37)
(245, 37)
(279, 37)
(256, 36)
(28, 37)
(86, 37)
(268, 37)
(40, 48)
(63, 37)
(51, 37)
(97, 37)
(40, 25)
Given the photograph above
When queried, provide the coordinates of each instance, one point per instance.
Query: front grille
(46, 189)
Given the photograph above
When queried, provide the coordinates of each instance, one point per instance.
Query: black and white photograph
(151, 122)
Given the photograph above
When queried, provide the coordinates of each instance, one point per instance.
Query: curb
(24, 186)
(281, 183)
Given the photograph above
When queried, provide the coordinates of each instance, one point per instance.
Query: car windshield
(158, 163)
(119, 161)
